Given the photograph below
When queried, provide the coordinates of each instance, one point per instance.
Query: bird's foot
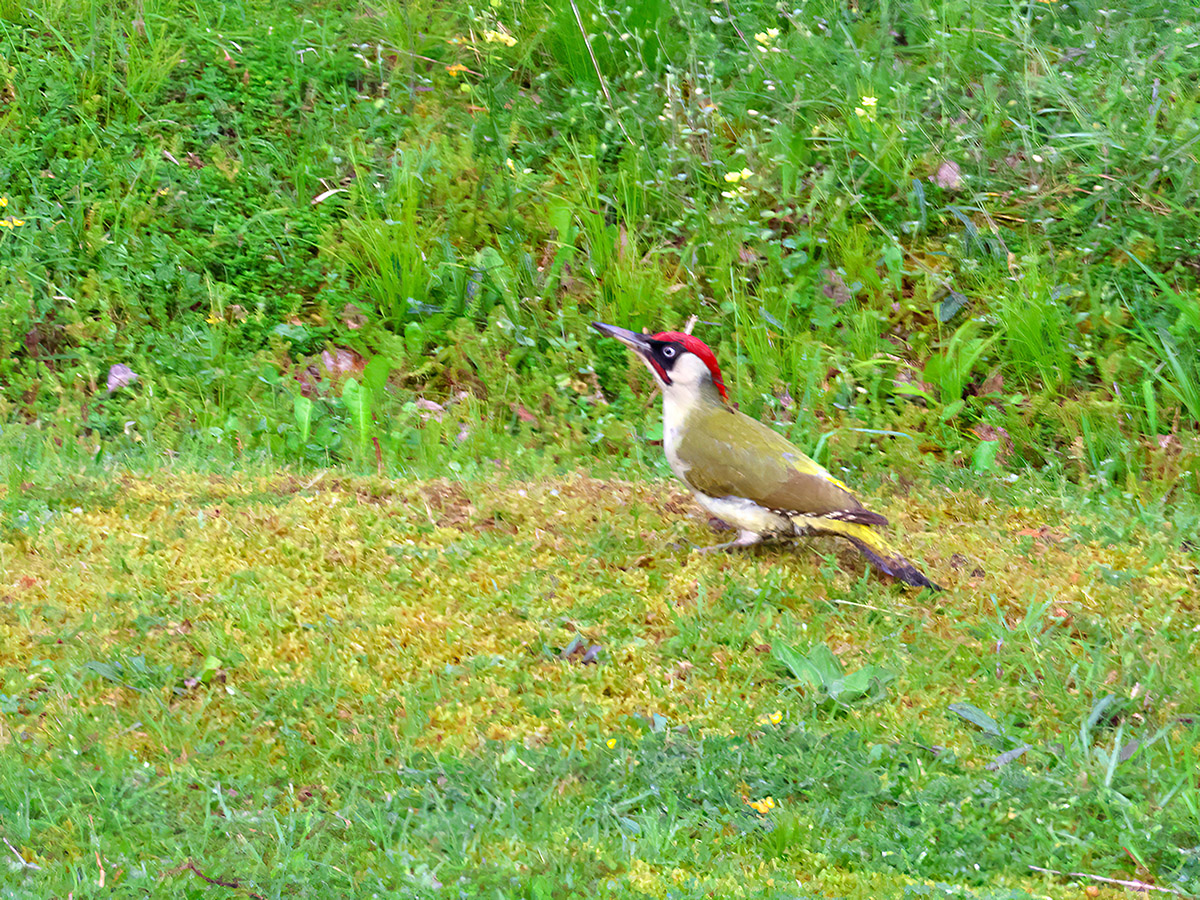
(744, 539)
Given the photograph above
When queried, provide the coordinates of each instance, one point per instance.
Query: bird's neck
(680, 405)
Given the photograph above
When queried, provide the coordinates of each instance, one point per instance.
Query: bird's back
(726, 453)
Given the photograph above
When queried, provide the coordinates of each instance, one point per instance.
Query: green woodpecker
(743, 472)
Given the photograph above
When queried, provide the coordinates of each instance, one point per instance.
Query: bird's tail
(869, 542)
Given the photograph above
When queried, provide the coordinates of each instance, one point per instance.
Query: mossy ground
(380, 686)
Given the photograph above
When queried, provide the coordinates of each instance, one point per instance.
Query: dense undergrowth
(300, 226)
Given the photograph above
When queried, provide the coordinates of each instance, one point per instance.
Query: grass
(955, 219)
(350, 252)
(279, 681)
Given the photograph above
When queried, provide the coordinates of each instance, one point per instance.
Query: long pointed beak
(639, 343)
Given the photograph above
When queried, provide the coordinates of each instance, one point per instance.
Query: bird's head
(678, 361)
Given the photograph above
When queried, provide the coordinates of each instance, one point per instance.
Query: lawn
(354, 686)
(338, 555)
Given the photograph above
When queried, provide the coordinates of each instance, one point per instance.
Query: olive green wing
(730, 454)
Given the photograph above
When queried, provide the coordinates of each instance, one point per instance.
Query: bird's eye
(668, 352)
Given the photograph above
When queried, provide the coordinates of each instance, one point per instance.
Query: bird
(744, 472)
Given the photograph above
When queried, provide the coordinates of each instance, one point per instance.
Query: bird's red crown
(699, 348)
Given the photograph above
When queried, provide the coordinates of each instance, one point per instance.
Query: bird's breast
(676, 417)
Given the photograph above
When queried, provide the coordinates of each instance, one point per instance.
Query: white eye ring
(668, 351)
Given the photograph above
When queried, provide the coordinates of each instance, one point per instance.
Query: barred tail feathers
(869, 542)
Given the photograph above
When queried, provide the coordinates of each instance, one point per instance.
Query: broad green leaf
(800, 667)
(358, 404)
(302, 410)
(496, 269)
(414, 339)
(984, 457)
(953, 410)
(211, 665)
(977, 717)
(375, 374)
(861, 683)
(907, 389)
(825, 664)
(950, 306)
(107, 671)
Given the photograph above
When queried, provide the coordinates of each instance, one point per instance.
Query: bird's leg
(744, 539)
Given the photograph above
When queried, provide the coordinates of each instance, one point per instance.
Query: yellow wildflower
(499, 37)
(763, 806)
(735, 177)
(11, 222)
(456, 69)
(612, 743)
(765, 38)
(3, 202)
(869, 102)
